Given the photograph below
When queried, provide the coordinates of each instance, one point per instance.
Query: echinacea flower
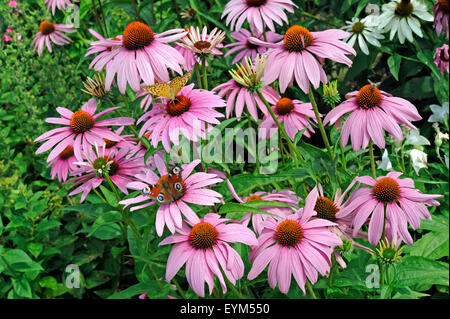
(138, 55)
(294, 115)
(81, 127)
(246, 48)
(95, 86)
(204, 248)
(12, 3)
(201, 43)
(63, 164)
(120, 168)
(295, 245)
(183, 189)
(126, 141)
(299, 55)
(258, 13)
(372, 111)
(363, 30)
(242, 89)
(285, 196)
(441, 58)
(327, 208)
(49, 32)
(392, 198)
(60, 4)
(441, 16)
(187, 114)
(398, 18)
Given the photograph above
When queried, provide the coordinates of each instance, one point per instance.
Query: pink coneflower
(246, 48)
(80, 127)
(60, 4)
(243, 89)
(294, 116)
(392, 198)
(294, 245)
(441, 16)
(300, 54)
(441, 58)
(12, 3)
(205, 250)
(201, 44)
(328, 208)
(372, 111)
(100, 161)
(126, 141)
(139, 55)
(49, 32)
(173, 191)
(189, 57)
(102, 46)
(7, 38)
(63, 163)
(285, 196)
(186, 114)
(258, 13)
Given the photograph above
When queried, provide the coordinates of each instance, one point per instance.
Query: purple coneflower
(204, 248)
(372, 111)
(441, 58)
(49, 32)
(392, 198)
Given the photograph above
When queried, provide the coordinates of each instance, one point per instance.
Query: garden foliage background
(41, 231)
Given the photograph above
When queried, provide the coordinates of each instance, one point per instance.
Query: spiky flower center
(254, 197)
(137, 35)
(202, 45)
(358, 27)
(289, 233)
(284, 106)
(386, 190)
(109, 143)
(297, 38)
(404, 8)
(326, 208)
(102, 162)
(81, 122)
(203, 235)
(46, 27)
(256, 3)
(178, 106)
(443, 5)
(250, 45)
(369, 96)
(66, 153)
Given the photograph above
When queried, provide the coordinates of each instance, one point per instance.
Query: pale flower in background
(363, 30)
(385, 163)
(414, 138)
(419, 159)
(440, 113)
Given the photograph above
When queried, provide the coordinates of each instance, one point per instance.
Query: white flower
(440, 113)
(363, 30)
(385, 163)
(398, 17)
(419, 159)
(414, 138)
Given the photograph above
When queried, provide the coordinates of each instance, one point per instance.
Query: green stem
(97, 17)
(292, 147)
(249, 118)
(99, 195)
(310, 289)
(103, 17)
(372, 159)
(320, 123)
(197, 74)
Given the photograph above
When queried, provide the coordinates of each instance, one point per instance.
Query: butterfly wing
(158, 89)
(178, 83)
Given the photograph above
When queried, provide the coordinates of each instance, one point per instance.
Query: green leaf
(394, 62)
(22, 287)
(433, 245)
(109, 196)
(237, 210)
(416, 270)
(150, 287)
(20, 261)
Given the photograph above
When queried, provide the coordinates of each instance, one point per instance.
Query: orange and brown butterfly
(168, 189)
(168, 90)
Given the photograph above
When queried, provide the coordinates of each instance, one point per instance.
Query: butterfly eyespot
(176, 170)
(160, 198)
(146, 190)
(178, 186)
